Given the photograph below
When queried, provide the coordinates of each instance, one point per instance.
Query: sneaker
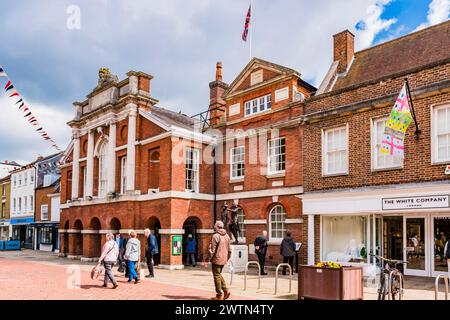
(149, 276)
(115, 286)
(226, 295)
(217, 297)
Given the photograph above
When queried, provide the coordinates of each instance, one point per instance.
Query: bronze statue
(234, 225)
(224, 216)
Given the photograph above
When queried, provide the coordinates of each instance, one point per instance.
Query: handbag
(96, 271)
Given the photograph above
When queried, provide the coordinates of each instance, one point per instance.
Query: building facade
(47, 197)
(132, 165)
(358, 200)
(23, 183)
(5, 209)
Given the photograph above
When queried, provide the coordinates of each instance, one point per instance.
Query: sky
(53, 58)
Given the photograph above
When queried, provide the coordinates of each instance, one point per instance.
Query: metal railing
(231, 267)
(259, 274)
(436, 286)
(290, 276)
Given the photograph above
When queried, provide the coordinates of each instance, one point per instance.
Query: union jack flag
(247, 23)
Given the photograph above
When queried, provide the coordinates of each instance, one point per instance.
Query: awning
(22, 221)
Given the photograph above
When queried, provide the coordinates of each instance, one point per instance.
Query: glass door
(440, 234)
(415, 245)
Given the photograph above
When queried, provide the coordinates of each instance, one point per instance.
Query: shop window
(46, 235)
(335, 151)
(237, 162)
(277, 156)
(277, 225)
(440, 143)
(344, 239)
(382, 160)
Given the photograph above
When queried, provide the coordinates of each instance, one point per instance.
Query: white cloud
(439, 11)
(372, 24)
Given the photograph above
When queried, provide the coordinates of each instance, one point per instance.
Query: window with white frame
(277, 156)
(20, 180)
(441, 134)
(14, 205)
(382, 160)
(84, 181)
(335, 151)
(102, 172)
(25, 177)
(31, 177)
(123, 175)
(192, 168)
(44, 212)
(277, 228)
(258, 105)
(25, 203)
(237, 165)
(31, 203)
(20, 204)
(15, 181)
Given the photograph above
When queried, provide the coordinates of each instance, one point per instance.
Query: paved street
(39, 276)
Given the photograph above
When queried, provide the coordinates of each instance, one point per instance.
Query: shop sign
(447, 170)
(177, 245)
(425, 202)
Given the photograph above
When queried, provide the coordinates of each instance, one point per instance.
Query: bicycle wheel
(383, 291)
(397, 286)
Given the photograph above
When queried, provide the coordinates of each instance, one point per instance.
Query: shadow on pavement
(184, 297)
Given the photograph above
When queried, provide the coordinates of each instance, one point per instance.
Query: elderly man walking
(150, 250)
(109, 255)
(220, 253)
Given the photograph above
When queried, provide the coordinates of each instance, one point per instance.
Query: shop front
(4, 229)
(410, 223)
(46, 236)
(22, 230)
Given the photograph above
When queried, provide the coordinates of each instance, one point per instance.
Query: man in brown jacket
(220, 253)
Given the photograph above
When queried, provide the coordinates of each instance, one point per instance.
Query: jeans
(289, 260)
(262, 261)
(109, 275)
(132, 270)
(219, 281)
(190, 259)
(149, 258)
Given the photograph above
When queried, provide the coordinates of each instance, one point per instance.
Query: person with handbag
(133, 256)
(220, 253)
(110, 252)
(150, 250)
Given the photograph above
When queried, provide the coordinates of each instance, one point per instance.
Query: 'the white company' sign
(425, 202)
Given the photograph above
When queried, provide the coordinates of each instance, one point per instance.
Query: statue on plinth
(234, 225)
(224, 216)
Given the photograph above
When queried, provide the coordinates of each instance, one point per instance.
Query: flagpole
(418, 131)
(251, 29)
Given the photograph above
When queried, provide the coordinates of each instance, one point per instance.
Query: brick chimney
(216, 90)
(344, 50)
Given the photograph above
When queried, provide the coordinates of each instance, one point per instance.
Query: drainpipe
(214, 187)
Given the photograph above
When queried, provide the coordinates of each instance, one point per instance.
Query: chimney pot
(344, 50)
(219, 71)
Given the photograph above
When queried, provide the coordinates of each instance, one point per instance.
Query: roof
(173, 118)
(412, 51)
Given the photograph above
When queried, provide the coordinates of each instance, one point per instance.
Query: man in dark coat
(261, 250)
(287, 250)
(150, 250)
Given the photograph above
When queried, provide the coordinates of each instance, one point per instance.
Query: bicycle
(391, 278)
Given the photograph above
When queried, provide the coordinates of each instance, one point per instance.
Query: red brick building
(358, 200)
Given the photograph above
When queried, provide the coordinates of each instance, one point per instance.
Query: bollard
(231, 267)
(436, 286)
(276, 276)
(259, 274)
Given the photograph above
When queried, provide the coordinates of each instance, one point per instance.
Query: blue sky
(178, 42)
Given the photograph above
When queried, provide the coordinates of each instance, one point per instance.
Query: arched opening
(124, 134)
(155, 225)
(96, 238)
(277, 226)
(115, 224)
(78, 225)
(190, 226)
(153, 172)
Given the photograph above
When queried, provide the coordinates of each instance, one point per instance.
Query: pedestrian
(133, 255)
(261, 250)
(119, 241)
(287, 250)
(109, 256)
(150, 251)
(190, 251)
(219, 253)
(122, 254)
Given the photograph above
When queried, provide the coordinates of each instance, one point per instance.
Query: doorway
(190, 227)
(154, 225)
(415, 237)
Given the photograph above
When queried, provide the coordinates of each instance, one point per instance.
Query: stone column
(75, 165)
(112, 158)
(90, 165)
(131, 147)
(311, 237)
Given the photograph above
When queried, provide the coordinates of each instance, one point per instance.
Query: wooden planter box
(330, 284)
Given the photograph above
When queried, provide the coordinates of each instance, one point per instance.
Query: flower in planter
(328, 264)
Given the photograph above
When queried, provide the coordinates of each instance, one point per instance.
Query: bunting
(12, 92)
